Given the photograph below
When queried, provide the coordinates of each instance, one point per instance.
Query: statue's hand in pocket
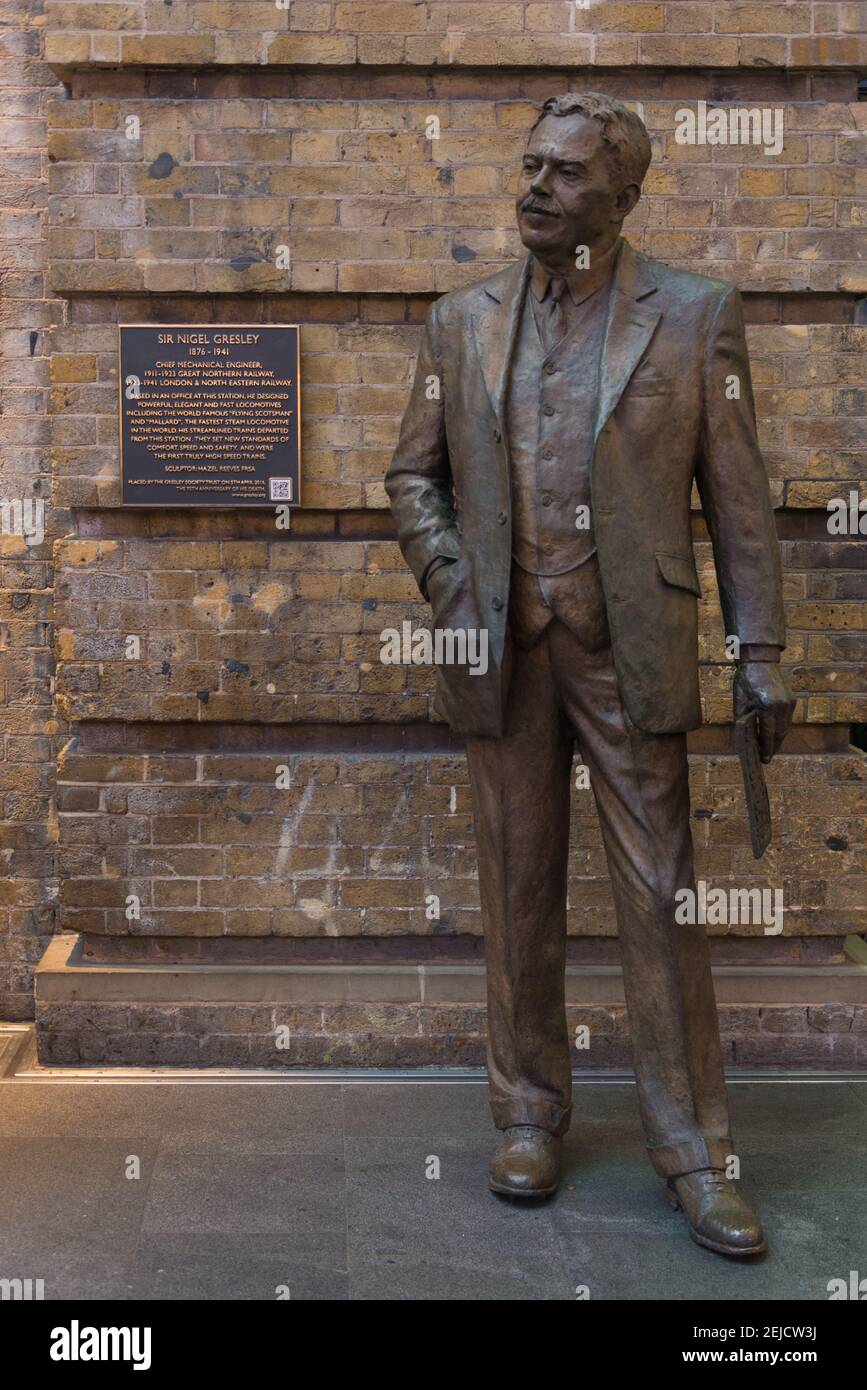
(448, 595)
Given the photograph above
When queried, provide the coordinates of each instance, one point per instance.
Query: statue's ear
(626, 199)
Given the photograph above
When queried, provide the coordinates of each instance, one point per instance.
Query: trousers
(565, 691)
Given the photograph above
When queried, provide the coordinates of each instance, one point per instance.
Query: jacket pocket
(648, 386)
(444, 586)
(679, 570)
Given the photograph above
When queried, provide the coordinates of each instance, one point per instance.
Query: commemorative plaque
(209, 414)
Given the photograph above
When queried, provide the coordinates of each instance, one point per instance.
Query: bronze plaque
(209, 414)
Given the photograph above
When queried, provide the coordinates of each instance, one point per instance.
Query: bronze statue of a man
(560, 413)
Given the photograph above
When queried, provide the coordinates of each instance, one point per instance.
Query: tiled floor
(247, 1189)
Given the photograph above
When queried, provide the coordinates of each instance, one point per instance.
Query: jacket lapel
(630, 327)
(495, 327)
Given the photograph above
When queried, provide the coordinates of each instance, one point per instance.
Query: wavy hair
(624, 132)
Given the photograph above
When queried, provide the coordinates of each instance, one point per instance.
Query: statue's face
(567, 192)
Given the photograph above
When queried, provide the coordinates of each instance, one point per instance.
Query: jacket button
(497, 436)
(547, 410)
(502, 518)
(496, 603)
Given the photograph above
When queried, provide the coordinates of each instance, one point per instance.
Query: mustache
(533, 203)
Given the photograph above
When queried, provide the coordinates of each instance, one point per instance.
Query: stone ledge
(349, 951)
(403, 1015)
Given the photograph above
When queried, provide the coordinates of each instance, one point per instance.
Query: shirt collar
(583, 282)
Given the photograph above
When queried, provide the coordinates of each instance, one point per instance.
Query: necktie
(556, 313)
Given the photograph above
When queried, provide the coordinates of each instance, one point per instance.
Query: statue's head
(582, 172)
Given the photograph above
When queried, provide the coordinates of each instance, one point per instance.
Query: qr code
(281, 489)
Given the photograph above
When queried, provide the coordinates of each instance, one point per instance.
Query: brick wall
(289, 631)
(307, 126)
(808, 378)
(382, 210)
(371, 195)
(353, 844)
(27, 311)
(676, 33)
(341, 1035)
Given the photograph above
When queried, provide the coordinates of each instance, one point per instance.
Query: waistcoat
(550, 417)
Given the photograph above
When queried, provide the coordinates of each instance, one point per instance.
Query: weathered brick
(249, 628)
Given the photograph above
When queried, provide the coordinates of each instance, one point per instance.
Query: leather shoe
(719, 1218)
(526, 1163)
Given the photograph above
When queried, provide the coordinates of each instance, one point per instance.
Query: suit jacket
(673, 344)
